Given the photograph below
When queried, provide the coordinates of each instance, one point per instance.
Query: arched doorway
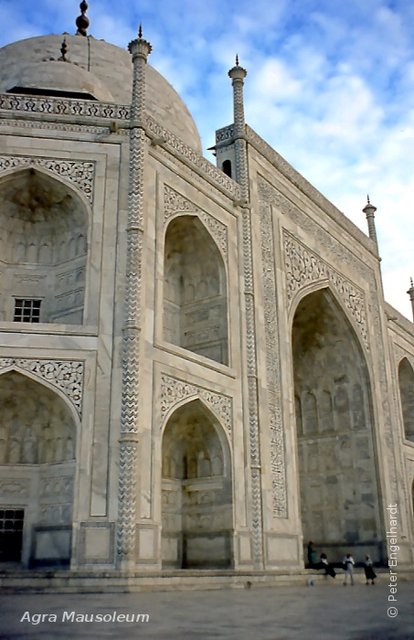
(196, 491)
(338, 481)
(37, 467)
(406, 384)
(195, 290)
(43, 247)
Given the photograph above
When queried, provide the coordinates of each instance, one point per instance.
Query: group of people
(348, 564)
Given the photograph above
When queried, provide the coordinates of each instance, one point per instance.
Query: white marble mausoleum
(198, 369)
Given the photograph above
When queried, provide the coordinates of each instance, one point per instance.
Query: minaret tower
(131, 331)
(369, 211)
(237, 75)
(231, 151)
(411, 294)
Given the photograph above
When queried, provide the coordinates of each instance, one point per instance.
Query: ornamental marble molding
(174, 391)
(63, 107)
(192, 158)
(65, 375)
(174, 202)
(57, 126)
(277, 444)
(80, 174)
(304, 267)
(401, 354)
(338, 252)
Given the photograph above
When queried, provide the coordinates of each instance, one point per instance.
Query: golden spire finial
(82, 21)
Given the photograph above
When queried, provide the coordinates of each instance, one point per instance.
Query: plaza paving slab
(325, 612)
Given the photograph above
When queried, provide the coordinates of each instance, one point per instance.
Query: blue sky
(330, 85)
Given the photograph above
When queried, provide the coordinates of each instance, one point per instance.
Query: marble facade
(197, 366)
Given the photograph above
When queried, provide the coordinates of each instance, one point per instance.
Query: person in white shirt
(348, 565)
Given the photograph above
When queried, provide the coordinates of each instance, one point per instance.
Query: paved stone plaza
(323, 612)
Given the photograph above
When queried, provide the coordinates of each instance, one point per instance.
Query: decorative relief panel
(66, 375)
(174, 202)
(63, 107)
(61, 487)
(303, 267)
(81, 174)
(277, 444)
(15, 487)
(174, 390)
(225, 133)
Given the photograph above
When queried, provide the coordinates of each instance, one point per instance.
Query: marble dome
(93, 69)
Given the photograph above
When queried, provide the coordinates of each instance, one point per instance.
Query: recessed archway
(43, 247)
(196, 491)
(338, 481)
(195, 290)
(37, 467)
(406, 384)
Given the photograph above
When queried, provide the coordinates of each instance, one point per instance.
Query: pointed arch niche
(43, 246)
(406, 384)
(338, 480)
(37, 467)
(196, 491)
(195, 290)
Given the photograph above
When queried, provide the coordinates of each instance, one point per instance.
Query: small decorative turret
(411, 294)
(369, 211)
(237, 75)
(82, 21)
(139, 50)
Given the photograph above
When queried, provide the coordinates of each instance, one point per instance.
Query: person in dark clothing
(311, 554)
(369, 570)
(329, 570)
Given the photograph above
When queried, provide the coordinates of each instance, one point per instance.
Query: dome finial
(140, 31)
(82, 21)
(63, 50)
(237, 59)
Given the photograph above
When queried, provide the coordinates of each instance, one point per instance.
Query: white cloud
(330, 85)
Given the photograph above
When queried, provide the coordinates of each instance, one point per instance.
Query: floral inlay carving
(174, 202)
(66, 375)
(277, 444)
(174, 390)
(303, 267)
(80, 174)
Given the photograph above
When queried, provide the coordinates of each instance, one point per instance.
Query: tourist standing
(369, 570)
(348, 565)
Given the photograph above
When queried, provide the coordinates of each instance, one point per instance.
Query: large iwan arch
(338, 477)
(197, 512)
(195, 290)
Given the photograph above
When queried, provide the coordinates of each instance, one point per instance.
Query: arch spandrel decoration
(174, 202)
(304, 267)
(77, 173)
(174, 391)
(65, 375)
